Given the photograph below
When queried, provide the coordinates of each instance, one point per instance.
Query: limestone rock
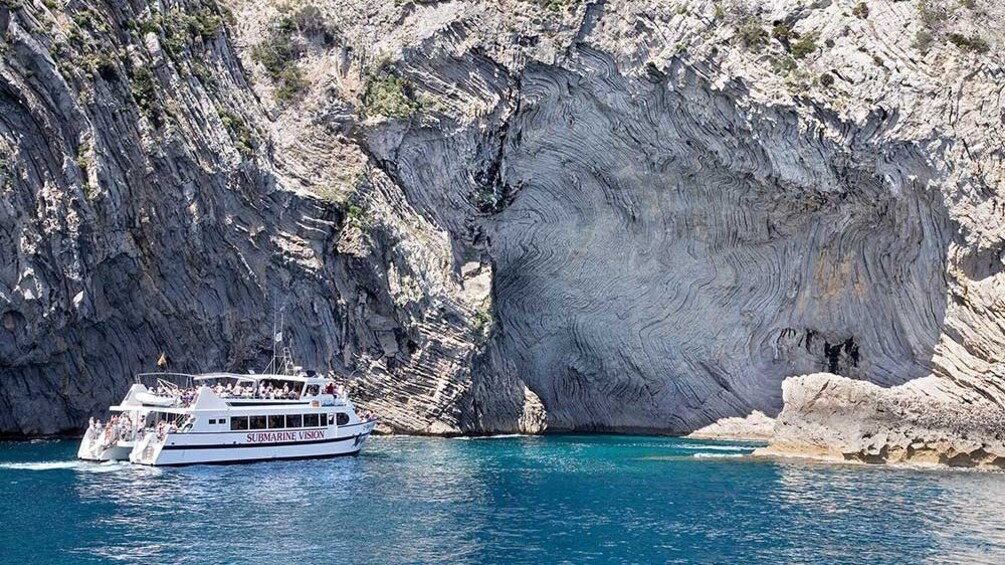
(755, 426)
(832, 417)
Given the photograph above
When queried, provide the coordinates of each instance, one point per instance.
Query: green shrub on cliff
(481, 322)
(239, 131)
(932, 13)
(923, 40)
(387, 94)
(312, 23)
(751, 34)
(178, 30)
(6, 173)
(357, 216)
(559, 5)
(972, 43)
(284, 46)
(782, 32)
(279, 53)
(805, 45)
(143, 86)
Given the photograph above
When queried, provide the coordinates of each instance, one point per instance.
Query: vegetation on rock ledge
(387, 94)
(805, 45)
(751, 34)
(972, 43)
(286, 43)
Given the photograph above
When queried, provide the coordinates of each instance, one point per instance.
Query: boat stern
(93, 449)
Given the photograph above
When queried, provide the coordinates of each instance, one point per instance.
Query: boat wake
(82, 466)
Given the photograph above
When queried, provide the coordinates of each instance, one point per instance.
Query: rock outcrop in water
(831, 417)
(505, 216)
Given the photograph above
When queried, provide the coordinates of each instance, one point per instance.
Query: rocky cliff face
(145, 210)
(505, 215)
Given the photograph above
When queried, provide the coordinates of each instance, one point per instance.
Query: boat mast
(277, 338)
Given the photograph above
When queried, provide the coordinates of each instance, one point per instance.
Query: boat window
(331, 418)
(294, 421)
(311, 421)
(277, 421)
(212, 421)
(341, 418)
(257, 422)
(239, 423)
(221, 421)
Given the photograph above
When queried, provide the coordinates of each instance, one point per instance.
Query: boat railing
(172, 381)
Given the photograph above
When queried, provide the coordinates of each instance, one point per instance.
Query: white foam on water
(499, 436)
(718, 455)
(40, 466)
(105, 467)
(703, 447)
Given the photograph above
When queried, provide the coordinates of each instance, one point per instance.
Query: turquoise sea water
(604, 499)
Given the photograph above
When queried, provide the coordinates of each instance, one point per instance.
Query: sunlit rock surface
(831, 417)
(755, 427)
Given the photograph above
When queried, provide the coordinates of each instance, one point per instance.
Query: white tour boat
(181, 419)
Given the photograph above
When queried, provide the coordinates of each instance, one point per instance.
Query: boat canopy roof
(198, 379)
(311, 380)
(164, 409)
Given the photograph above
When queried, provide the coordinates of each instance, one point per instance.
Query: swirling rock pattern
(674, 230)
(667, 272)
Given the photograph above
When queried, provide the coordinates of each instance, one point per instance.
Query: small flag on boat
(279, 337)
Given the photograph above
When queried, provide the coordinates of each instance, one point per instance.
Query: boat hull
(185, 449)
(232, 455)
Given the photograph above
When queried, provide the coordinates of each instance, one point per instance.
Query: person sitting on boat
(93, 427)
